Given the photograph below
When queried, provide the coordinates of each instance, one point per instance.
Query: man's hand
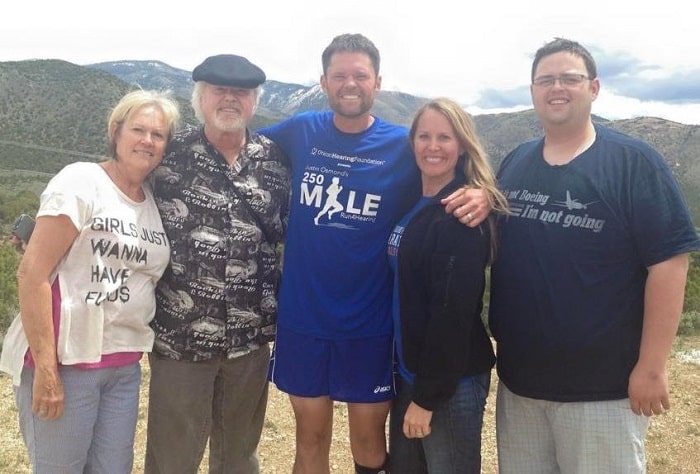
(469, 205)
(648, 391)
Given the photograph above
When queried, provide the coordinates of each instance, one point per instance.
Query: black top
(441, 277)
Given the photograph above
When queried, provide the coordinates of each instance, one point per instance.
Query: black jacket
(441, 265)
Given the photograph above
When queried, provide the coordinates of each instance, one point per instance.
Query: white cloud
(430, 49)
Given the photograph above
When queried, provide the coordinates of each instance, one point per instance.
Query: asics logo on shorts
(380, 389)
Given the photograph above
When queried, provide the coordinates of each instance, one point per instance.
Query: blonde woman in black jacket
(443, 351)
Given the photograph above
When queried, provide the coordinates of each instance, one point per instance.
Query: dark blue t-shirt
(567, 290)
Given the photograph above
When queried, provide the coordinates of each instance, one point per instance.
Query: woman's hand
(416, 421)
(47, 394)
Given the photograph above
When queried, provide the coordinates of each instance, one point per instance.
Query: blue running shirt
(348, 191)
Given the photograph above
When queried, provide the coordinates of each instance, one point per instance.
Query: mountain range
(54, 112)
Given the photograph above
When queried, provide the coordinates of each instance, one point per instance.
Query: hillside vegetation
(54, 112)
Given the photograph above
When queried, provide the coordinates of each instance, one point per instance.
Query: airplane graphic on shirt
(572, 204)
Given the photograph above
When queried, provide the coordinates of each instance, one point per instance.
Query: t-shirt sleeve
(282, 133)
(68, 194)
(660, 216)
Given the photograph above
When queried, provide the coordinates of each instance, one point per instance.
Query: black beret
(229, 70)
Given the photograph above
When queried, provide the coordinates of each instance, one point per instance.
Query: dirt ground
(673, 441)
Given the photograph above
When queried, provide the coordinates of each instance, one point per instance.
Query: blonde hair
(476, 164)
(134, 101)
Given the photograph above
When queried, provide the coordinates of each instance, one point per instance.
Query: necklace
(584, 146)
(557, 158)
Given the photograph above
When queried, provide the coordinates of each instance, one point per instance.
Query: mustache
(231, 105)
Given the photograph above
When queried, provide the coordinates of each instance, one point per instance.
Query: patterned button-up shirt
(218, 297)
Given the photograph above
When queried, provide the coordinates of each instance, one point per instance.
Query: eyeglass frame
(573, 78)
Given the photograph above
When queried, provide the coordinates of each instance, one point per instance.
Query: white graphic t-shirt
(107, 278)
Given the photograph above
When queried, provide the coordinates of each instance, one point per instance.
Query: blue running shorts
(346, 370)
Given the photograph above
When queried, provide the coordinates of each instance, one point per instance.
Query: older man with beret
(223, 193)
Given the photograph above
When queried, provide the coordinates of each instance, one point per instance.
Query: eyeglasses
(566, 80)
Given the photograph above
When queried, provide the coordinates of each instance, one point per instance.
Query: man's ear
(595, 87)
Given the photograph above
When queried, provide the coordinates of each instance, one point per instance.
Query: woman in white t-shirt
(86, 292)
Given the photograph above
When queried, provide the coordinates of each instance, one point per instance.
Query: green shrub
(690, 324)
(692, 287)
(9, 259)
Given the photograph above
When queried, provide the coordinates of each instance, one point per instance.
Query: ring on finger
(469, 216)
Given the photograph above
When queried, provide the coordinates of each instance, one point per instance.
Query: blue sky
(648, 56)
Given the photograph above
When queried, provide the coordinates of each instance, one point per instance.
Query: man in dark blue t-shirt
(588, 284)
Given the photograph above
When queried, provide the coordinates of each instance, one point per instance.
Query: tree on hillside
(12, 205)
(9, 260)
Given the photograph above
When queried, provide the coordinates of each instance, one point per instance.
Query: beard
(357, 109)
(229, 122)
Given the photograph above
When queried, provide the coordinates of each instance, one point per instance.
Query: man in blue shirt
(353, 177)
(588, 284)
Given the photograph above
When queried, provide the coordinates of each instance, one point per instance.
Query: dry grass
(673, 441)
